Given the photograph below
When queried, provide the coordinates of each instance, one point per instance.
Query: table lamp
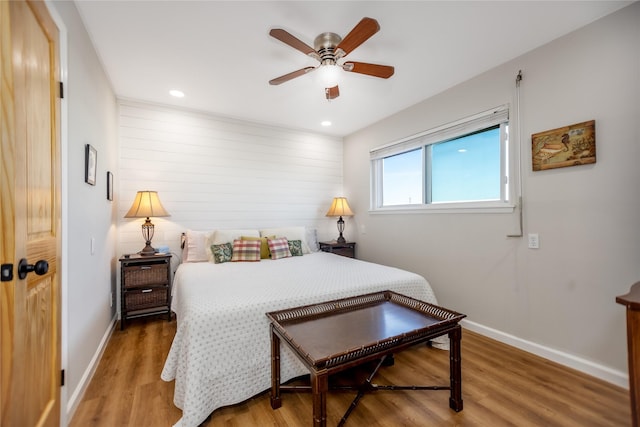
(340, 207)
(146, 205)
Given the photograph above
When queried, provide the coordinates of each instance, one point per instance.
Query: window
(402, 178)
(461, 165)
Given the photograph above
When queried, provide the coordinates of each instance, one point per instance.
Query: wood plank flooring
(501, 386)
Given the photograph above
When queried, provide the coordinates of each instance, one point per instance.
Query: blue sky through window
(402, 179)
(463, 169)
(467, 168)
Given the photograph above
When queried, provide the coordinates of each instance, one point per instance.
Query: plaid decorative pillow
(279, 248)
(295, 247)
(264, 246)
(222, 253)
(246, 250)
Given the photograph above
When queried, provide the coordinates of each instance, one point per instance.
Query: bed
(220, 354)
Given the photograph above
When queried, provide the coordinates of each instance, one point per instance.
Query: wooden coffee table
(337, 335)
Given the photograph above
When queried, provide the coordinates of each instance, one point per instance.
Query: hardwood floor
(501, 386)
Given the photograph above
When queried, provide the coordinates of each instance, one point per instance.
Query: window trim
(453, 130)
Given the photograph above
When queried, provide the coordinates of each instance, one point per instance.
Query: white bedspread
(221, 351)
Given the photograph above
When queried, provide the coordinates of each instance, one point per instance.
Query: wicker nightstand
(145, 286)
(347, 249)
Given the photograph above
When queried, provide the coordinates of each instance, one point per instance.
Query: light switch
(534, 241)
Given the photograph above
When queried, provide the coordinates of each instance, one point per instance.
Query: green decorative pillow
(222, 253)
(295, 246)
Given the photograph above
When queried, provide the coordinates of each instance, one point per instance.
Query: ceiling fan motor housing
(325, 44)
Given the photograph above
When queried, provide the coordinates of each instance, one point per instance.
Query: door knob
(41, 267)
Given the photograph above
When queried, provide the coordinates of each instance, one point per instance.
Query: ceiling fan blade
(332, 92)
(360, 33)
(375, 70)
(291, 75)
(286, 38)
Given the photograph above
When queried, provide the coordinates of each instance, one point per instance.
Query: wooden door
(30, 215)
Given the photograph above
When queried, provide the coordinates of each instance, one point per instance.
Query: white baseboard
(78, 393)
(613, 376)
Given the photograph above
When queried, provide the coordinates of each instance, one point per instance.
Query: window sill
(439, 208)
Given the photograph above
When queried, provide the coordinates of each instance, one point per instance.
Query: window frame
(509, 166)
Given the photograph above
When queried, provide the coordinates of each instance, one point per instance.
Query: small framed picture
(567, 146)
(109, 186)
(90, 164)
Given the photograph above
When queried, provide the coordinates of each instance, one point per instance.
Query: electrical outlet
(534, 241)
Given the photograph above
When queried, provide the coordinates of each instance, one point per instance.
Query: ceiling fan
(328, 49)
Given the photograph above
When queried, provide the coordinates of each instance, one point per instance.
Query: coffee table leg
(455, 366)
(276, 402)
(319, 388)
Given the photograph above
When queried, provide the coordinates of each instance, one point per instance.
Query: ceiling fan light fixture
(329, 75)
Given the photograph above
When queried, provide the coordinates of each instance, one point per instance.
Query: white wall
(562, 296)
(89, 278)
(213, 173)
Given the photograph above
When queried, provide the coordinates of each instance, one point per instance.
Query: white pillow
(228, 236)
(291, 233)
(197, 247)
(312, 239)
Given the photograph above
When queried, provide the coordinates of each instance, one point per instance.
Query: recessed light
(326, 123)
(462, 150)
(176, 93)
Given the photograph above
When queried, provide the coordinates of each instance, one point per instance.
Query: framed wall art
(567, 146)
(109, 186)
(90, 164)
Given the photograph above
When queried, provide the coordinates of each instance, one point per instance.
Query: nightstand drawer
(144, 275)
(348, 252)
(140, 299)
(347, 249)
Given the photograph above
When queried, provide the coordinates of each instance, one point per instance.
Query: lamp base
(148, 250)
(340, 230)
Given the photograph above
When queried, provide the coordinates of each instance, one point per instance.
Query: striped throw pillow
(246, 250)
(279, 248)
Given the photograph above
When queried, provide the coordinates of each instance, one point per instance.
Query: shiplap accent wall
(213, 173)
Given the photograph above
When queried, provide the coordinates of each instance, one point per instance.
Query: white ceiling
(221, 55)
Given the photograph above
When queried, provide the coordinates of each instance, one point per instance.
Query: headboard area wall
(218, 173)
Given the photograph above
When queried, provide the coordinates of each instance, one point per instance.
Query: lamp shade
(339, 207)
(147, 204)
